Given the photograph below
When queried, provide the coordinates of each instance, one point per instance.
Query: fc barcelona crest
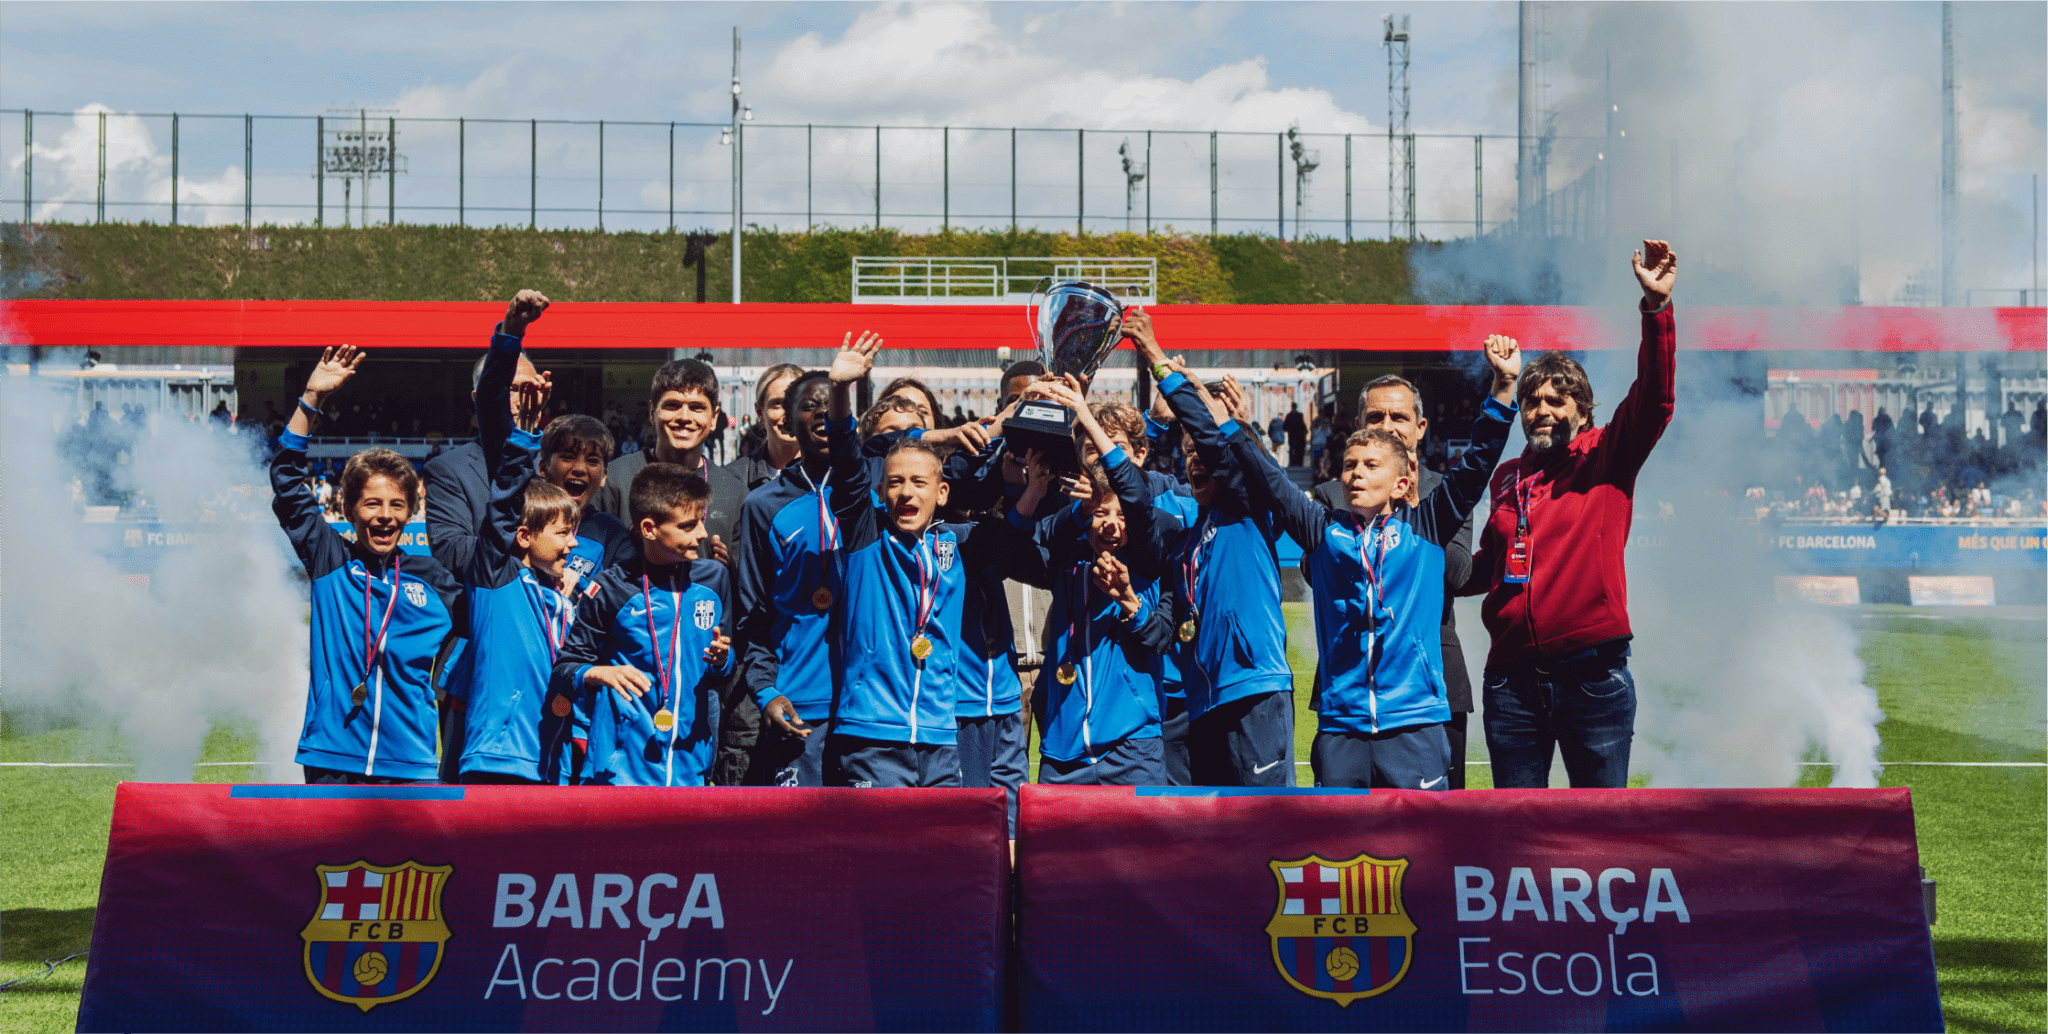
(376, 934)
(1339, 930)
(703, 615)
(942, 551)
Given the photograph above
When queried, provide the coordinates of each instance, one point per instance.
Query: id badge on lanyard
(1518, 553)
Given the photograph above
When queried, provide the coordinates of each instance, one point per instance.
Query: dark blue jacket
(395, 731)
(1115, 692)
(786, 527)
(636, 605)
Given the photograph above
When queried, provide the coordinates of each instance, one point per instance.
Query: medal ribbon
(674, 644)
(375, 646)
(1191, 566)
(828, 527)
(1372, 569)
(557, 624)
(927, 589)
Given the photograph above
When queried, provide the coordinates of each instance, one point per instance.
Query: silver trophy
(1076, 325)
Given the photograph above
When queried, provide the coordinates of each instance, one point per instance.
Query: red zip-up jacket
(1581, 505)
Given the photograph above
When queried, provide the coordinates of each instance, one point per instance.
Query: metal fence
(369, 168)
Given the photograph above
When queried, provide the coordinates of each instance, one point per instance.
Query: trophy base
(1047, 427)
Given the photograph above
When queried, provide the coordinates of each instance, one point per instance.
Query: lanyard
(372, 647)
(1372, 568)
(557, 624)
(927, 590)
(828, 525)
(1191, 565)
(1522, 502)
(674, 642)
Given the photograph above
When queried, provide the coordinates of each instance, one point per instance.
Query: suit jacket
(1457, 568)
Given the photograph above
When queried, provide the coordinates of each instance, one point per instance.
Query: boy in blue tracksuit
(378, 614)
(1231, 640)
(788, 586)
(1098, 699)
(1377, 573)
(1135, 435)
(515, 729)
(904, 578)
(647, 652)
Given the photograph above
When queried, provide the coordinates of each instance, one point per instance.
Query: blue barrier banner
(1924, 546)
(548, 908)
(1501, 910)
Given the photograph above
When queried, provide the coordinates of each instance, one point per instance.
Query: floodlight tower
(1134, 174)
(1305, 162)
(731, 134)
(1400, 142)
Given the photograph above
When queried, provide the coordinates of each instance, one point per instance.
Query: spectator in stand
(1928, 421)
(1276, 431)
(1551, 559)
(1883, 491)
(1297, 436)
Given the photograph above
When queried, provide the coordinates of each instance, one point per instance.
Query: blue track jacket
(989, 685)
(885, 693)
(1240, 646)
(517, 622)
(1169, 496)
(635, 605)
(791, 650)
(396, 730)
(1115, 694)
(1381, 658)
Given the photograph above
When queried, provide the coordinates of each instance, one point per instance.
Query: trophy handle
(1031, 312)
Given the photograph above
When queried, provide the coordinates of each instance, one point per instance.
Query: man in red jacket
(1550, 559)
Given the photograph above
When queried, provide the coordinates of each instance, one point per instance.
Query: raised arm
(1444, 512)
(318, 546)
(754, 568)
(852, 482)
(1646, 411)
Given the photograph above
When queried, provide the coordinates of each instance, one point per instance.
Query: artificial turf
(1953, 688)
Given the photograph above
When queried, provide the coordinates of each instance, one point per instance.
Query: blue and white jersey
(1379, 585)
(659, 620)
(377, 624)
(1225, 575)
(517, 621)
(787, 592)
(899, 588)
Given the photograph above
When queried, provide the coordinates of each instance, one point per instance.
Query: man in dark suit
(1394, 404)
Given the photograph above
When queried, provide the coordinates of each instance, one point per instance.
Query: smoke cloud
(217, 633)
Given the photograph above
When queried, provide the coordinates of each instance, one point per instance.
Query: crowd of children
(859, 601)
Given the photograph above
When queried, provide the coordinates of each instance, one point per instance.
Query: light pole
(731, 135)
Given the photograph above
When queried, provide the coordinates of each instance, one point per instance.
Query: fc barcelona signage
(376, 934)
(1536, 910)
(1339, 931)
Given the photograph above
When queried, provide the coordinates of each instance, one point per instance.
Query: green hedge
(445, 263)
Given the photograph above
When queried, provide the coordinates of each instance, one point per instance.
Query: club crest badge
(416, 592)
(377, 934)
(1393, 534)
(942, 550)
(1339, 930)
(704, 615)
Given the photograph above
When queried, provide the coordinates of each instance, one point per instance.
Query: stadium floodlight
(1134, 174)
(1306, 161)
(355, 148)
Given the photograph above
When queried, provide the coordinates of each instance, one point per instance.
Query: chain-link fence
(367, 168)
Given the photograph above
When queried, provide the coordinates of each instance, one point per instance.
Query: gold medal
(560, 706)
(920, 647)
(664, 720)
(1187, 631)
(359, 694)
(822, 599)
(1066, 673)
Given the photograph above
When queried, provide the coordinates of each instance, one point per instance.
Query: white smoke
(217, 633)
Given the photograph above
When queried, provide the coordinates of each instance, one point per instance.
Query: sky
(1808, 135)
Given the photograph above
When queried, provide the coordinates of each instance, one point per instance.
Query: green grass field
(1952, 688)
